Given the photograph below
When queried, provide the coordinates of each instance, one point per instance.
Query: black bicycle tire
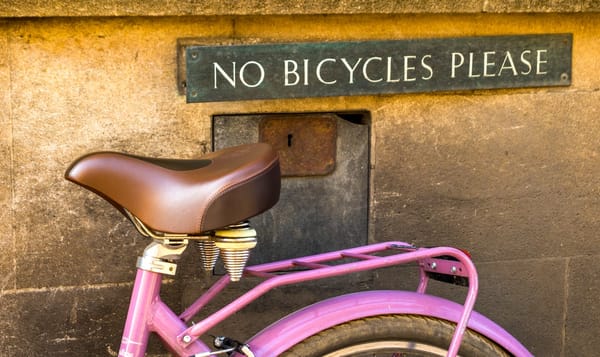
(414, 329)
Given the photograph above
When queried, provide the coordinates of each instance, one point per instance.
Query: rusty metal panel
(306, 144)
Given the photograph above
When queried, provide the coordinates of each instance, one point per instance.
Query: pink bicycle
(176, 202)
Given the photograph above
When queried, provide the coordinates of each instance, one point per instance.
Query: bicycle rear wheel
(394, 336)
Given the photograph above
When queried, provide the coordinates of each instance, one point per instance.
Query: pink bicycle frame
(147, 313)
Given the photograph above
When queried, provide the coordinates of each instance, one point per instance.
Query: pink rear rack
(338, 263)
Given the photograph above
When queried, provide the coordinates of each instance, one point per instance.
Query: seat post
(156, 261)
(136, 331)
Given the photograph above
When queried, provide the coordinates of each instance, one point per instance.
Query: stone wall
(111, 8)
(511, 175)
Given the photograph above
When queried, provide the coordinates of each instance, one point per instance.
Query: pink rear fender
(304, 323)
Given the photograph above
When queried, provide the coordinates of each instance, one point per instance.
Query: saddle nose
(185, 196)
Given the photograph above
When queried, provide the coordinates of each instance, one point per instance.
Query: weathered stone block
(582, 293)
(63, 105)
(526, 297)
(532, 6)
(491, 178)
(280, 7)
(7, 247)
(69, 322)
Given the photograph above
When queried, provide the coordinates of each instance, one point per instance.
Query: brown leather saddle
(185, 196)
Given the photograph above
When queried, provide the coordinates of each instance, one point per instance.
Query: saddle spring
(233, 244)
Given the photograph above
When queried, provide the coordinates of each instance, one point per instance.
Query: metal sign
(300, 70)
